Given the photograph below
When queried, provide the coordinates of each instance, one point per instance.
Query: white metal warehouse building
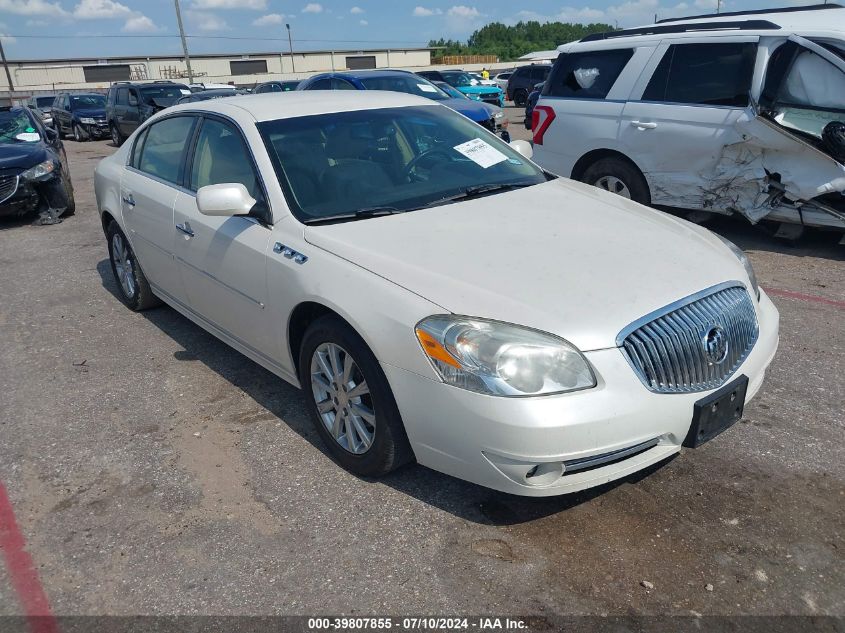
(51, 75)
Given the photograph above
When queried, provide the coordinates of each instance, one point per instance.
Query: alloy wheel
(613, 185)
(76, 135)
(343, 399)
(123, 265)
(115, 137)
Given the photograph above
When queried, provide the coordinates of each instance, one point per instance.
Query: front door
(149, 188)
(686, 114)
(223, 260)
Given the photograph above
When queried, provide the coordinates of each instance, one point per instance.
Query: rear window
(704, 74)
(587, 75)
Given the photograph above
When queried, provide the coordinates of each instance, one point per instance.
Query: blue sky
(136, 27)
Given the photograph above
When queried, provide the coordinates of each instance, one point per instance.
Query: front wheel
(619, 177)
(350, 401)
(77, 134)
(132, 283)
(116, 136)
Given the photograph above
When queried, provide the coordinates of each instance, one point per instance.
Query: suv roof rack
(809, 7)
(739, 25)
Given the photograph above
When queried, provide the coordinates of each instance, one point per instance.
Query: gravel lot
(153, 470)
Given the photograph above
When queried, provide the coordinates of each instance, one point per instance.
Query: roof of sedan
(285, 105)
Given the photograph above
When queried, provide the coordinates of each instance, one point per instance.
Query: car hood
(22, 155)
(561, 257)
(90, 112)
(474, 110)
(479, 90)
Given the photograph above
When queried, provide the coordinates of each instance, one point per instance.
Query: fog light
(527, 473)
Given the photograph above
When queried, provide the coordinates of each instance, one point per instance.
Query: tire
(520, 98)
(70, 209)
(137, 295)
(78, 135)
(388, 448)
(618, 176)
(116, 137)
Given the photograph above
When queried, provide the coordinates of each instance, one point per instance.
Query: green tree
(511, 42)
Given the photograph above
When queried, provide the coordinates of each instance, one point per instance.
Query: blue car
(463, 82)
(402, 81)
(495, 113)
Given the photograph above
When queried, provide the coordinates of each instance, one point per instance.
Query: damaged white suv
(740, 113)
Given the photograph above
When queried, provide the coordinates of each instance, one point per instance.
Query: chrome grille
(668, 349)
(8, 187)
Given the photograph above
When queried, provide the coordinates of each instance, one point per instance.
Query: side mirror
(523, 147)
(52, 135)
(225, 199)
(133, 100)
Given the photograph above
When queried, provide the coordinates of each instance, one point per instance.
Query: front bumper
(34, 195)
(516, 445)
(98, 130)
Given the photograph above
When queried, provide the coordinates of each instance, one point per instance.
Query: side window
(341, 84)
(321, 84)
(588, 75)
(704, 74)
(138, 148)
(221, 156)
(539, 73)
(164, 147)
(122, 96)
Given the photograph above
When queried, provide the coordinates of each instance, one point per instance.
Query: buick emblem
(715, 344)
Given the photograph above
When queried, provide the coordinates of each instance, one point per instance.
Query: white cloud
(626, 14)
(424, 12)
(313, 7)
(100, 10)
(363, 22)
(139, 24)
(356, 10)
(33, 7)
(270, 19)
(206, 21)
(254, 5)
(461, 11)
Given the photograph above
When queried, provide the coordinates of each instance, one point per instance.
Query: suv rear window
(705, 74)
(587, 75)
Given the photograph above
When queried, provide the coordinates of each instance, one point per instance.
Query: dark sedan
(34, 176)
(82, 115)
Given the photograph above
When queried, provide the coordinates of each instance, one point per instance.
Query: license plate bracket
(717, 412)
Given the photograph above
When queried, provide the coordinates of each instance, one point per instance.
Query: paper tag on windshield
(30, 137)
(426, 88)
(481, 153)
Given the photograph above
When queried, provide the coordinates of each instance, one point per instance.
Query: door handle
(643, 125)
(129, 200)
(185, 228)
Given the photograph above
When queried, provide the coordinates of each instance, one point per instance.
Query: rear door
(683, 113)
(131, 118)
(581, 105)
(149, 188)
(223, 260)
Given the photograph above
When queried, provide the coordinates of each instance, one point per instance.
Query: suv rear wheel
(520, 98)
(618, 176)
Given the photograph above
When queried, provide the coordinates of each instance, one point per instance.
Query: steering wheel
(409, 168)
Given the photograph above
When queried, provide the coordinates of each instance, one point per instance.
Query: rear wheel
(350, 401)
(619, 177)
(520, 98)
(132, 283)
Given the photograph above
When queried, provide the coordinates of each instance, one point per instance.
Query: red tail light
(541, 119)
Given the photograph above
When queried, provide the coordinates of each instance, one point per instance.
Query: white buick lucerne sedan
(436, 295)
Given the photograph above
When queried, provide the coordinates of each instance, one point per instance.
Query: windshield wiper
(360, 214)
(480, 190)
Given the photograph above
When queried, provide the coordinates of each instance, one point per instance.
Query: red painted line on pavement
(22, 572)
(804, 297)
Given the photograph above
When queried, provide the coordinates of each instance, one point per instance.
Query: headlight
(500, 359)
(742, 257)
(87, 120)
(39, 171)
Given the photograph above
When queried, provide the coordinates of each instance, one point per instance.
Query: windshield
(80, 102)
(452, 92)
(17, 127)
(411, 84)
(457, 79)
(44, 102)
(399, 159)
(161, 92)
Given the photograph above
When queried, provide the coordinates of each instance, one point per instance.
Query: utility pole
(290, 43)
(718, 6)
(184, 42)
(6, 66)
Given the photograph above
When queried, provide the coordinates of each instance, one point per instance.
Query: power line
(205, 37)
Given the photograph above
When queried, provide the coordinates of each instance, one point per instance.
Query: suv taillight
(541, 119)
